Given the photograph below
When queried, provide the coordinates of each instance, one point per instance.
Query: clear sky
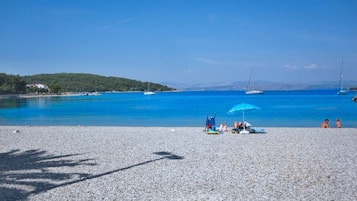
(181, 41)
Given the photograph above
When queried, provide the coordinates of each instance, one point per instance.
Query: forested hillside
(12, 84)
(74, 82)
(80, 82)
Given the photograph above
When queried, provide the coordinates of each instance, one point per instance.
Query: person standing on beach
(325, 124)
(338, 123)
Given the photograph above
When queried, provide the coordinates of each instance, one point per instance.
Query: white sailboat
(251, 86)
(148, 92)
(342, 90)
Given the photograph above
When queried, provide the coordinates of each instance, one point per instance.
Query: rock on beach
(181, 163)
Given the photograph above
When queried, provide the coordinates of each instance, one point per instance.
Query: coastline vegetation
(72, 82)
(12, 84)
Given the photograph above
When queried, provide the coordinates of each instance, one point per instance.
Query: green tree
(55, 88)
(12, 84)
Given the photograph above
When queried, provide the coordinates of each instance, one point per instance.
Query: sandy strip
(156, 163)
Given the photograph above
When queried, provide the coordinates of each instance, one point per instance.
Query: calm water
(278, 108)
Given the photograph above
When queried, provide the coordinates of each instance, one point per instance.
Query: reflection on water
(10, 102)
(35, 102)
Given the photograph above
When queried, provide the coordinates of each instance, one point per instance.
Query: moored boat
(251, 86)
(342, 90)
(250, 92)
(91, 94)
(148, 92)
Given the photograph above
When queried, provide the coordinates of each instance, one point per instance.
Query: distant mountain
(264, 85)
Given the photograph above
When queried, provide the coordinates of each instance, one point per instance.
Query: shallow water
(278, 108)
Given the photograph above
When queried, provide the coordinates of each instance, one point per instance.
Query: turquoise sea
(181, 109)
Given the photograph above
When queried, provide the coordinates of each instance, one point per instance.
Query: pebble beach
(176, 163)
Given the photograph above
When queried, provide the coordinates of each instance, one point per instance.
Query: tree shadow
(33, 171)
(163, 154)
(22, 173)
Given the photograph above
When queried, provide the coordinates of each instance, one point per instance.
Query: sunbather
(223, 127)
(237, 126)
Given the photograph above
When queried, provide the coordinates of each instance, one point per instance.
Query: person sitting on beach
(338, 123)
(238, 125)
(325, 124)
(235, 125)
(223, 127)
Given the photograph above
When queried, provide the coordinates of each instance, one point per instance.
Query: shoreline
(73, 94)
(176, 163)
(169, 126)
(34, 95)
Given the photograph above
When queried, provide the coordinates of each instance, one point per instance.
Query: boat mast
(341, 76)
(250, 79)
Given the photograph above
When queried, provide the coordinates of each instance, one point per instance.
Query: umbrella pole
(244, 131)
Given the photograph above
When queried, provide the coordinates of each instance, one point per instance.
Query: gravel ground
(160, 163)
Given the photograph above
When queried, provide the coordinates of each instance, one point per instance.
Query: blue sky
(185, 41)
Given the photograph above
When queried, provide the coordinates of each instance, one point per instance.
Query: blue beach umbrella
(241, 108)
